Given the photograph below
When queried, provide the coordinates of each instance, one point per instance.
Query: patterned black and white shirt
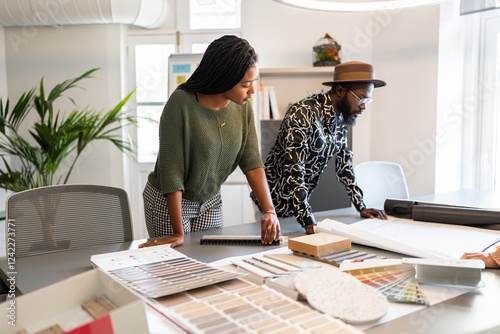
(310, 135)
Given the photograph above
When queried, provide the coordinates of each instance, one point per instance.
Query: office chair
(380, 180)
(67, 217)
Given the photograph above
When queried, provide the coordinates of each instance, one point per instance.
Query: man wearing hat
(313, 131)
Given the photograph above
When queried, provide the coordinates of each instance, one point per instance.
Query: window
(149, 61)
(489, 84)
(151, 76)
(151, 81)
(482, 101)
(199, 47)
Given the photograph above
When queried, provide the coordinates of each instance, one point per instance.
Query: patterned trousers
(195, 216)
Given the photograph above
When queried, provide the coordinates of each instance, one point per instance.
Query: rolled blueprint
(399, 207)
(455, 215)
(442, 213)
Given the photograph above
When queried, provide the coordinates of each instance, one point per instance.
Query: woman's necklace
(221, 124)
(215, 112)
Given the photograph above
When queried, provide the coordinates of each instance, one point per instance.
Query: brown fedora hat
(354, 71)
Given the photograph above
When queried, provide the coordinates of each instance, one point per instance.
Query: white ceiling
(144, 13)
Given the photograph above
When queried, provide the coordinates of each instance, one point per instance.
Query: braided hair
(224, 64)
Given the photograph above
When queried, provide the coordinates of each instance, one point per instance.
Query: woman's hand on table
(270, 228)
(174, 240)
(485, 257)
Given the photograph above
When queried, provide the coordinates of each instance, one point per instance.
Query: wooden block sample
(319, 244)
(54, 329)
(22, 331)
(98, 307)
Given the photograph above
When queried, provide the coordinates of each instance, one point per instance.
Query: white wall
(400, 125)
(451, 113)
(284, 36)
(3, 66)
(58, 54)
(403, 122)
(3, 95)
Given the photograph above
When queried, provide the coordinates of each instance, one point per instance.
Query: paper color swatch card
(239, 306)
(159, 271)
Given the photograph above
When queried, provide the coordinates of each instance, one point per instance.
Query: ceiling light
(353, 6)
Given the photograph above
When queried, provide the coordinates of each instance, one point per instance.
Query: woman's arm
(270, 226)
(174, 204)
(489, 259)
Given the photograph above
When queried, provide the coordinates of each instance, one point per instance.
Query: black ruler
(238, 240)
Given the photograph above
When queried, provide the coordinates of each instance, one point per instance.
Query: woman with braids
(207, 130)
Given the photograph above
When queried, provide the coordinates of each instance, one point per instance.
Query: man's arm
(345, 174)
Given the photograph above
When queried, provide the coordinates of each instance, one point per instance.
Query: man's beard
(349, 119)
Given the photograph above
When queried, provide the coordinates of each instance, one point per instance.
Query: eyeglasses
(365, 101)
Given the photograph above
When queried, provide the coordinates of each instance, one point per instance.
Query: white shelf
(320, 70)
(293, 84)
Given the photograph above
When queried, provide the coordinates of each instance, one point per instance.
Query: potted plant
(56, 137)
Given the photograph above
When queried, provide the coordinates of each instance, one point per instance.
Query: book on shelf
(265, 107)
(269, 104)
(273, 104)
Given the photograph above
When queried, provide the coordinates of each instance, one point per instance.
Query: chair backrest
(68, 217)
(380, 180)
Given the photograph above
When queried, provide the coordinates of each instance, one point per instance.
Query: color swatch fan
(397, 282)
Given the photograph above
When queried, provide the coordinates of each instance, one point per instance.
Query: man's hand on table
(372, 213)
(310, 228)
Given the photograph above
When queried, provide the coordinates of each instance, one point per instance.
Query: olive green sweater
(196, 153)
